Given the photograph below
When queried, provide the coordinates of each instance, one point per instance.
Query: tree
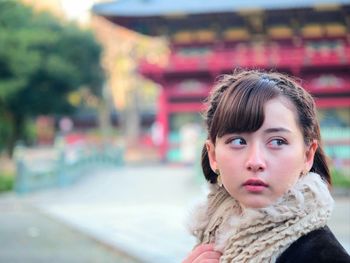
(42, 60)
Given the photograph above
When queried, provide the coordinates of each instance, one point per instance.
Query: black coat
(318, 246)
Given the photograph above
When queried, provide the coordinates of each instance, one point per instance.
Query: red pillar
(163, 122)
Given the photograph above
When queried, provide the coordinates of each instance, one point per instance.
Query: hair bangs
(242, 107)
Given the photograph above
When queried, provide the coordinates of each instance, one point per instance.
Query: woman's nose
(255, 161)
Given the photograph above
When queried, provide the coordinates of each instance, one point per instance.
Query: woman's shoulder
(319, 246)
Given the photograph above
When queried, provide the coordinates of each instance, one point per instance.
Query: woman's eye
(238, 142)
(277, 142)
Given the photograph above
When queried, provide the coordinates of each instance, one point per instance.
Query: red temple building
(308, 39)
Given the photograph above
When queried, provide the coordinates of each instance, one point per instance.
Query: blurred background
(100, 115)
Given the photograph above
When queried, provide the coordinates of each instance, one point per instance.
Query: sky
(77, 9)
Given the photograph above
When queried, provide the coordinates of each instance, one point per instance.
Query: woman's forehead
(280, 112)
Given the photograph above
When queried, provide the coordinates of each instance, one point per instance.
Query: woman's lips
(255, 185)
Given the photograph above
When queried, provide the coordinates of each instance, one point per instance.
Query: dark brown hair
(236, 104)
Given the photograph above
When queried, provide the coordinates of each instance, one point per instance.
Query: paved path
(141, 211)
(26, 235)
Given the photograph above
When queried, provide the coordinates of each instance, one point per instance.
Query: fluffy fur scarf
(262, 234)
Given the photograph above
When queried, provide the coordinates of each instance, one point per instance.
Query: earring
(218, 178)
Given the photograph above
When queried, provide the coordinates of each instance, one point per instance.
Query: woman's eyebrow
(277, 129)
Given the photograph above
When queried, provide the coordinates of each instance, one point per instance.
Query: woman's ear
(211, 154)
(310, 154)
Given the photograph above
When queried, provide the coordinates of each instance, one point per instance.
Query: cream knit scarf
(261, 235)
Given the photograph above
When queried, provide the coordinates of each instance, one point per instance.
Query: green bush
(6, 182)
(340, 179)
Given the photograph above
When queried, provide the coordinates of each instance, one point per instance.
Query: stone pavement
(27, 235)
(140, 210)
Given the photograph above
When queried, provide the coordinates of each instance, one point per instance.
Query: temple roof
(148, 8)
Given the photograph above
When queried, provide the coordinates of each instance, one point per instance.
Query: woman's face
(259, 167)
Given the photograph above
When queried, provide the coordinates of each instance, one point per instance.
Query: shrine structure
(308, 39)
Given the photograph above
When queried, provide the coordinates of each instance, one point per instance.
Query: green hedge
(6, 182)
(340, 179)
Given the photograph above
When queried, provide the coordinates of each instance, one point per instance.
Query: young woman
(269, 199)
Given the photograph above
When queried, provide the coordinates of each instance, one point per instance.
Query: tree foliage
(42, 60)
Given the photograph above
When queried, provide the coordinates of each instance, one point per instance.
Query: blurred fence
(57, 168)
(337, 146)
